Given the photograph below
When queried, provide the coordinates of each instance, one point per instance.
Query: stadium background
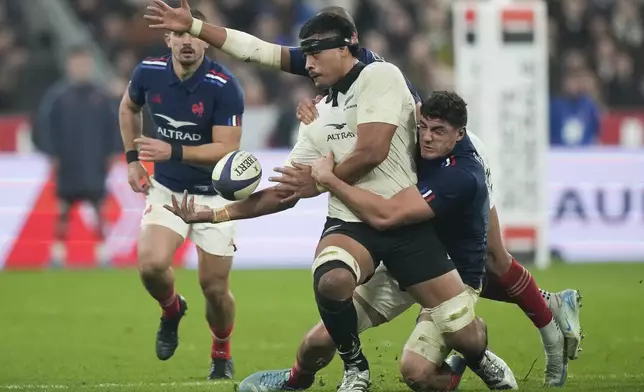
(595, 188)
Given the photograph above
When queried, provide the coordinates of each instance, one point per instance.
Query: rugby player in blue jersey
(197, 106)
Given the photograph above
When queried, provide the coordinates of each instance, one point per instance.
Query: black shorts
(412, 254)
(68, 199)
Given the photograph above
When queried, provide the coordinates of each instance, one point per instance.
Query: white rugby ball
(237, 175)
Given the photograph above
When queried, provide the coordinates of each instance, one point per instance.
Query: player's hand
(165, 17)
(153, 150)
(306, 110)
(322, 169)
(138, 177)
(296, 179)
(190, 212)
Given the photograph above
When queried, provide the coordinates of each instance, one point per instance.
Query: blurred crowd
(595, 45)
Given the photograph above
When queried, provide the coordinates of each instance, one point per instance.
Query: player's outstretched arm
(405, 208)
(265, 202)
(240, 45)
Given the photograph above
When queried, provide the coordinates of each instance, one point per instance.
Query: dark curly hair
(447, 106)
(334, 23)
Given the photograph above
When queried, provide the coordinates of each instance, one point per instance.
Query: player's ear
(461, 133)
(166, 38)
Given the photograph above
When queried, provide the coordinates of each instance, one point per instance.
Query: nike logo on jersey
(174, 123)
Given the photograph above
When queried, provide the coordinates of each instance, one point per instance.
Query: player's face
(437, 138)
(186, 48)
(327, 66)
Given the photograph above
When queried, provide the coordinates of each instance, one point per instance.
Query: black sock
(474, 361)
(341, 321)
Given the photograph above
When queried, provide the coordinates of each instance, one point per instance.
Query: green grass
(95, 331)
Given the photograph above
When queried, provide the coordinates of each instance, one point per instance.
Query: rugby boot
(168, 333)
(272, 381)
(554, 345)
(458, 366)
(495, 373)
(221, 369)
(355, 380)
(565, 306)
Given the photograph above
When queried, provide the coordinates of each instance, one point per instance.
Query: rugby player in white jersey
(506, 280)
(368, 122)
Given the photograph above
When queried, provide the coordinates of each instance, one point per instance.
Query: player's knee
(335, 274)
(456, 321)
(418, 373)
(215, 288)
(152, 260)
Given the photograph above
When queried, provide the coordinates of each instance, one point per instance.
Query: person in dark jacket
(77, 129)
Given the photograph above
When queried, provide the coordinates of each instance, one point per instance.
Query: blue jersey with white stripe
(185, 113)
(455, 189)
(366, 56)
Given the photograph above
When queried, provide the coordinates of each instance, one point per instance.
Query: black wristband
(132, 156)
(177, 152)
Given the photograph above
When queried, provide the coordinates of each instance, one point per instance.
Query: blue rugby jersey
(366, 56)
(455, 189)
(185, 112)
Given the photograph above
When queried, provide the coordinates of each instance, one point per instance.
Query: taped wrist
(246, 47)
(220, 215)
(196, 27)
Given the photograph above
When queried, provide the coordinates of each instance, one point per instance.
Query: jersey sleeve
(298, 62)
(229, 106)
(367, 56)
(449, 191)
(304, 151)
(136, 89)
(381, 94)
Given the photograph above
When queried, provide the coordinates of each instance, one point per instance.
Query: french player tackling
(197, 106)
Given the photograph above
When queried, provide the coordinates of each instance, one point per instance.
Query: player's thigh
(499, 260)
(162, 232)
(427, 341)
(419, 262)
(380, 300)
(347, 242)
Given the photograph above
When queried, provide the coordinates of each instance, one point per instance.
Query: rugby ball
(237, 175)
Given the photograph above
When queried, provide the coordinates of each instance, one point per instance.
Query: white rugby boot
(554, 345)
(355, 380)
(565, 306)
(495, 373)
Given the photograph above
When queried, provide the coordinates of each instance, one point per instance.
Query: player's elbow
(383, 222)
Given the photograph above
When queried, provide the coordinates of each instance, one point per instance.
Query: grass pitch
(95, 330)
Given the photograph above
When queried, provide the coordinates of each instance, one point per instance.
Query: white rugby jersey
(373, 93)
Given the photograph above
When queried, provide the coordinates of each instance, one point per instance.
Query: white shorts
(482, 150)
(383, 294)
(214, 239)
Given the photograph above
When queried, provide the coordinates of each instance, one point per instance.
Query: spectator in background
(574, 116)
(80, 135)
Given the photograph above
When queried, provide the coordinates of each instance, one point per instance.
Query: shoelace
(492, 371)
(274, 379)
(351, 376)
